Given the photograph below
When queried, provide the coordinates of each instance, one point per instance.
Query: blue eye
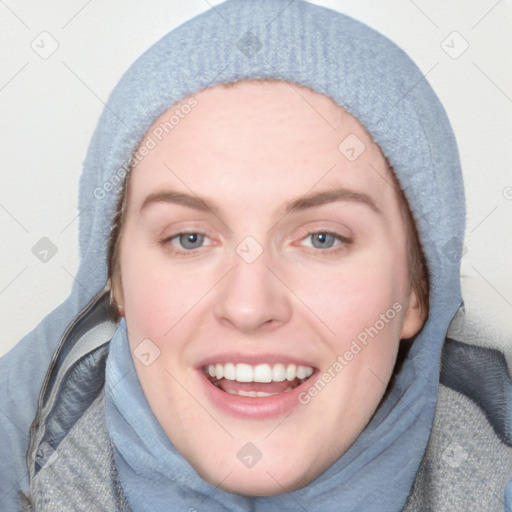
(188, 243)
(323, 240)
(190, 240)
(327, 242)
(184, 243)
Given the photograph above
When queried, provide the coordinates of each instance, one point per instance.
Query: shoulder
(22, 374)
(85, 454)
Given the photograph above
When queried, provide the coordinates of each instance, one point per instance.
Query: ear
(413, 318)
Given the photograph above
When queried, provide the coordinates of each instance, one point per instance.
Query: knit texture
(82, 475)
(466, 466)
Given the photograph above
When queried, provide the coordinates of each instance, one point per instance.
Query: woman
(273, 238)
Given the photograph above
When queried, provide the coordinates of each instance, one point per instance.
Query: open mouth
(257, 381)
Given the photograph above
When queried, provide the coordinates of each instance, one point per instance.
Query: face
(264, 255)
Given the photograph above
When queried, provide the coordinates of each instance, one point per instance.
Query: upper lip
(254, 359)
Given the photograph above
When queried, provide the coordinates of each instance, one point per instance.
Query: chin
(262, 482)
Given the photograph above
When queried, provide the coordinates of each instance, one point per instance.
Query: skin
(250, 149)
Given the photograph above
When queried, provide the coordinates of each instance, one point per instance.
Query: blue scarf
(375, 474)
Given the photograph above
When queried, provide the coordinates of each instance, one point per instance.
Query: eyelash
(343, 239)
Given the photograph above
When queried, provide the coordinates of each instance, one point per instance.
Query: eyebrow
(331, 196)
(180, 198)
(298, 204)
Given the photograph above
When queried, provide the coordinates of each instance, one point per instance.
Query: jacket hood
(377, 82)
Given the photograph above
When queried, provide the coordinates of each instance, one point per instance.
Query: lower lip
(254, 407)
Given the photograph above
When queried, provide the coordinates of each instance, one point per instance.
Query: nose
(251, 297)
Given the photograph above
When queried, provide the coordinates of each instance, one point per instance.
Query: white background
(50, 108)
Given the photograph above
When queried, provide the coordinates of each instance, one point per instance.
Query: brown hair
(113, 267)
(418, 269)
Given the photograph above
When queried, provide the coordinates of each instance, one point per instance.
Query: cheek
(155, 297)
(353, 297)
(363, 307)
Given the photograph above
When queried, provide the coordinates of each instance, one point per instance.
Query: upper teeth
(260, 373)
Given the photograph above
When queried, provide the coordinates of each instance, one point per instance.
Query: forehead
(259, 141)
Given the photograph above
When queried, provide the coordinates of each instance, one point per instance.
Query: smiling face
(268, 265)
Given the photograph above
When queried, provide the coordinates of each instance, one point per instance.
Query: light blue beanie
(377, 82)
(333, 54)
